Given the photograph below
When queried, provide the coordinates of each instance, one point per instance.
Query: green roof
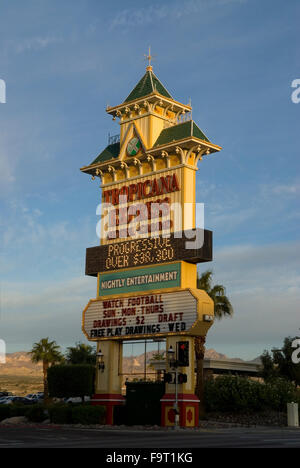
(147, 85)
(110, 152)
(179, 132)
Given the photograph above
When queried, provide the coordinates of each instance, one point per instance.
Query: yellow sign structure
(182, 312)
(148, 182)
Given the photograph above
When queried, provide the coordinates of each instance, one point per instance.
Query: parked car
(5, 394)
(39, 399)
(74, 400)
(36, 397)
(3, 400)
(15, 399)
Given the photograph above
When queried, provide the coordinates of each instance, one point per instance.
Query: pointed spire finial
(149, 57)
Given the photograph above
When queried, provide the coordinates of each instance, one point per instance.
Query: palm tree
(81, 354)
(222, 308)
(47, 352)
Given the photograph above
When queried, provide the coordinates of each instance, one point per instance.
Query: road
(47, 437)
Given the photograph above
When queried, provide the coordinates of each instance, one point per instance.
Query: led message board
(147, 251)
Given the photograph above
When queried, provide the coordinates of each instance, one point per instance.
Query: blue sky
(63, 62)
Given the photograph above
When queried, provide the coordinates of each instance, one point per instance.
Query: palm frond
(222, 304)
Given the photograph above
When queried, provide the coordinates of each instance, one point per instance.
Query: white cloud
(226, 220)
(24, 226)
(6, 171)
(35, 244)
(264, 207)
(155, 13)
(33, 310)
(45, 294)
(280, 189)
(35, 43)
(273, 267)
(263, 284)
(288, 189)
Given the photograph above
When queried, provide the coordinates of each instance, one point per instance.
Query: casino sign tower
(146, 264)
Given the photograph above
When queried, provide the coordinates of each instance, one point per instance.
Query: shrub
(85, 414)
(239, 394)
(4, 412)
(60, 414)
(71, 380)
(18, 410)
(120, 415)
(278, 393)
(36, 413)
(227, 393)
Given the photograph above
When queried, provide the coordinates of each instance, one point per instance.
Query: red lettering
(155, 189)
(106, 196)
(132, 191)
(145, 185)
(115, 196)
(164, 184)
(175, 185)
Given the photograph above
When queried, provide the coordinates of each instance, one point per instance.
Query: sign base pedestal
(188, 406)
(108, 400)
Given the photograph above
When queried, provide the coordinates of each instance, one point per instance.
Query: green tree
(269, 371)
(222, 308)
(280, 364)
(158, 356)
(81, 354)
(47, 352)
(71, 380)
(217, 292)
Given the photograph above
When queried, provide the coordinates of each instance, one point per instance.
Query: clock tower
(157, 136)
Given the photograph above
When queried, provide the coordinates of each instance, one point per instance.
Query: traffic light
(183, 353)
(182, 378)
(168, 377)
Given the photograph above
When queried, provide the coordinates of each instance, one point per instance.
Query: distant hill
(212, 354)
(18, 364)
(20, 376)
(135, 364)
(256, 360)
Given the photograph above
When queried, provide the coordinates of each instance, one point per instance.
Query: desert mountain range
(20, 363)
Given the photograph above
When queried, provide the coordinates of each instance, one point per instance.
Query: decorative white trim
(146, 114)
(149, 97)
(185, 401)
(148, 174)
(105, 399)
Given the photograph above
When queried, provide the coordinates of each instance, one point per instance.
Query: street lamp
(171, 357)
(101, 365)
(173, 363)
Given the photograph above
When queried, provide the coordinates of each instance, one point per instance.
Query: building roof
(231, 366)
(110, 152)
(220, 366)
(168, 135)
(147, 85)
(179, 132)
